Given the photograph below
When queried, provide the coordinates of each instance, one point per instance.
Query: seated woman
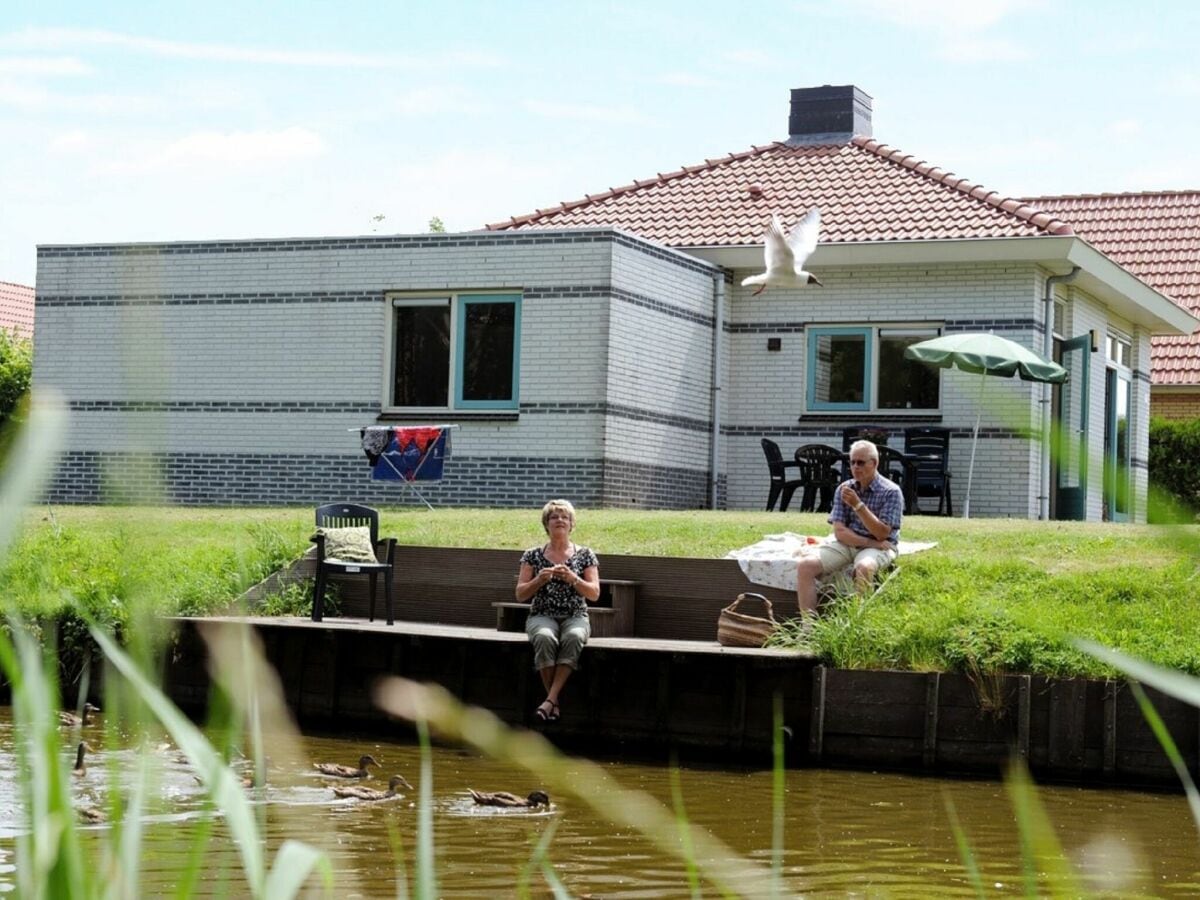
(561, 578)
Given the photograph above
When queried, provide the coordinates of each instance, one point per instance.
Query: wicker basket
(735, 629)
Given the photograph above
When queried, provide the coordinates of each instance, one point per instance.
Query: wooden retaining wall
(646, 697)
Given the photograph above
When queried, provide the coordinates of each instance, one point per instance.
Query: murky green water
(847, 833)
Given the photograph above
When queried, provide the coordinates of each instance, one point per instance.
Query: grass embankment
(995, 595)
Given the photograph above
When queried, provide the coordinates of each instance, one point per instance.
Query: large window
(863, 369)
(456, 351)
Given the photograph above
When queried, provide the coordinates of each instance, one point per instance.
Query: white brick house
(233, 371)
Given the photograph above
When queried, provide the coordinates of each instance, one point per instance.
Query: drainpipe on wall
(1047, 349)
(718, 319)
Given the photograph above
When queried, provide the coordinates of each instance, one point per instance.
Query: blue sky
(136, 121)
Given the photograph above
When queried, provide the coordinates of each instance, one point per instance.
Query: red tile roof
(866, 190)
(16, 308)
(1156, 236)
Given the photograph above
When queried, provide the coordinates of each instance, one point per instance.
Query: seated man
(866, 517)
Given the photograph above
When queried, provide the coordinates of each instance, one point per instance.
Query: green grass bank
(995, 595)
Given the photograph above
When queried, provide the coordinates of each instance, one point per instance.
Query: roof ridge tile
(1051, 224)
(636, 185)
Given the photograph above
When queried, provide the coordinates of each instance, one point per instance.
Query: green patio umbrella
(985, 354)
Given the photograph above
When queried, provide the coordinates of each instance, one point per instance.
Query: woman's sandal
(547, 711)
(555, 713)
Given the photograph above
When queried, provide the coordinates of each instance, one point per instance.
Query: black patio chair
(929, 447)
(780, 484)
(349, 515)
(821, 468)
(901, 469)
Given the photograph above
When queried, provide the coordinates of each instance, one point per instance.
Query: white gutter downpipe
(1047, 349)
(718, 320)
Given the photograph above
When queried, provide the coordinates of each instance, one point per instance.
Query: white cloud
(71, 142)
(56, 38)
(748, 56)
(1124, 128)
(1163, 175)
(946, 15)
(43, 65)
(34, 98)
(586, 113)
(219, 151)
(435, 100)
(686, 79)
(468, 189)
(963, 48)
(1184, 84)
(959, 30)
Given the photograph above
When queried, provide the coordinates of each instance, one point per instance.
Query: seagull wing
(778, 253)
(803, 239)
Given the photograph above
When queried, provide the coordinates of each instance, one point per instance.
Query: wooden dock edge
(651, 698)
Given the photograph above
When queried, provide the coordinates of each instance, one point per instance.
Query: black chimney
(830, 114)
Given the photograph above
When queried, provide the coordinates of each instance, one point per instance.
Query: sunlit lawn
(994, 595)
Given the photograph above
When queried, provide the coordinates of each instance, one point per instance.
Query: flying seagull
(786, 255)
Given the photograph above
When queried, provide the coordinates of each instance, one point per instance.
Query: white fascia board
(1128, 296)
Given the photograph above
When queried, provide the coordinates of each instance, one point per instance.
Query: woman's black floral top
(557, 598)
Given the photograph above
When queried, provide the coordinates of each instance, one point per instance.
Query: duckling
(92, 816)
(504, 798)
(339, 771)
(80, 769)
(73, 721)
(363, 793)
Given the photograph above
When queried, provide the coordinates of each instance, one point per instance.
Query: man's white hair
(872, 450)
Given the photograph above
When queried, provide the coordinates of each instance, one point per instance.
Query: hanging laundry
(412, 454)
(374, 442)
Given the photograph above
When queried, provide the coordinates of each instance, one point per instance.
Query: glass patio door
(1069, 446)
(1118, 395)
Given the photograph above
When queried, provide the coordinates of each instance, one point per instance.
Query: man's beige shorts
(836, 556)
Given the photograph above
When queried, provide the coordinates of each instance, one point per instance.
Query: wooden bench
(612, 615)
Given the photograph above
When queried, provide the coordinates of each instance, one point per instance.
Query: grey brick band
(234, 479)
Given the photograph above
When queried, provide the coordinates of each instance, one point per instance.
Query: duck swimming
(504, 798)
(339, 771)
(91, 816)
(363, 793)
(73, 721)
(80, 769)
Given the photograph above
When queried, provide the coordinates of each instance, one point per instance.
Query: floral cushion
(349, 544)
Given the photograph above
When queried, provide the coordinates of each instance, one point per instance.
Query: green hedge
(1174, 469)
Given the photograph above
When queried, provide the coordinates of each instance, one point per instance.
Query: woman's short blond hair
(564, 505)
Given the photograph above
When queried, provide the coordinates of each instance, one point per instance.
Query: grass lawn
(995, 595)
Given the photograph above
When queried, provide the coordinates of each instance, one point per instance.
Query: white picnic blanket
(772, 561)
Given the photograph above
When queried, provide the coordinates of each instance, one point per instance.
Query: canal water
(848, 834)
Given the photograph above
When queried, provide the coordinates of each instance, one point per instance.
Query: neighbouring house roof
(1156, 236)
(16, 308)
(866, 191)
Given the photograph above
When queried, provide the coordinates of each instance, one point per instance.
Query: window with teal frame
(839, 368)
(488, 345)
(454, 352)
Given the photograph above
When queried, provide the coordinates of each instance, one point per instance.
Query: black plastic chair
(930, 449)
(779, 480)
(821, 471)
(901, 469)
(349, 515)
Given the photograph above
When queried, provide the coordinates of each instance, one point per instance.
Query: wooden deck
(474, 633)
